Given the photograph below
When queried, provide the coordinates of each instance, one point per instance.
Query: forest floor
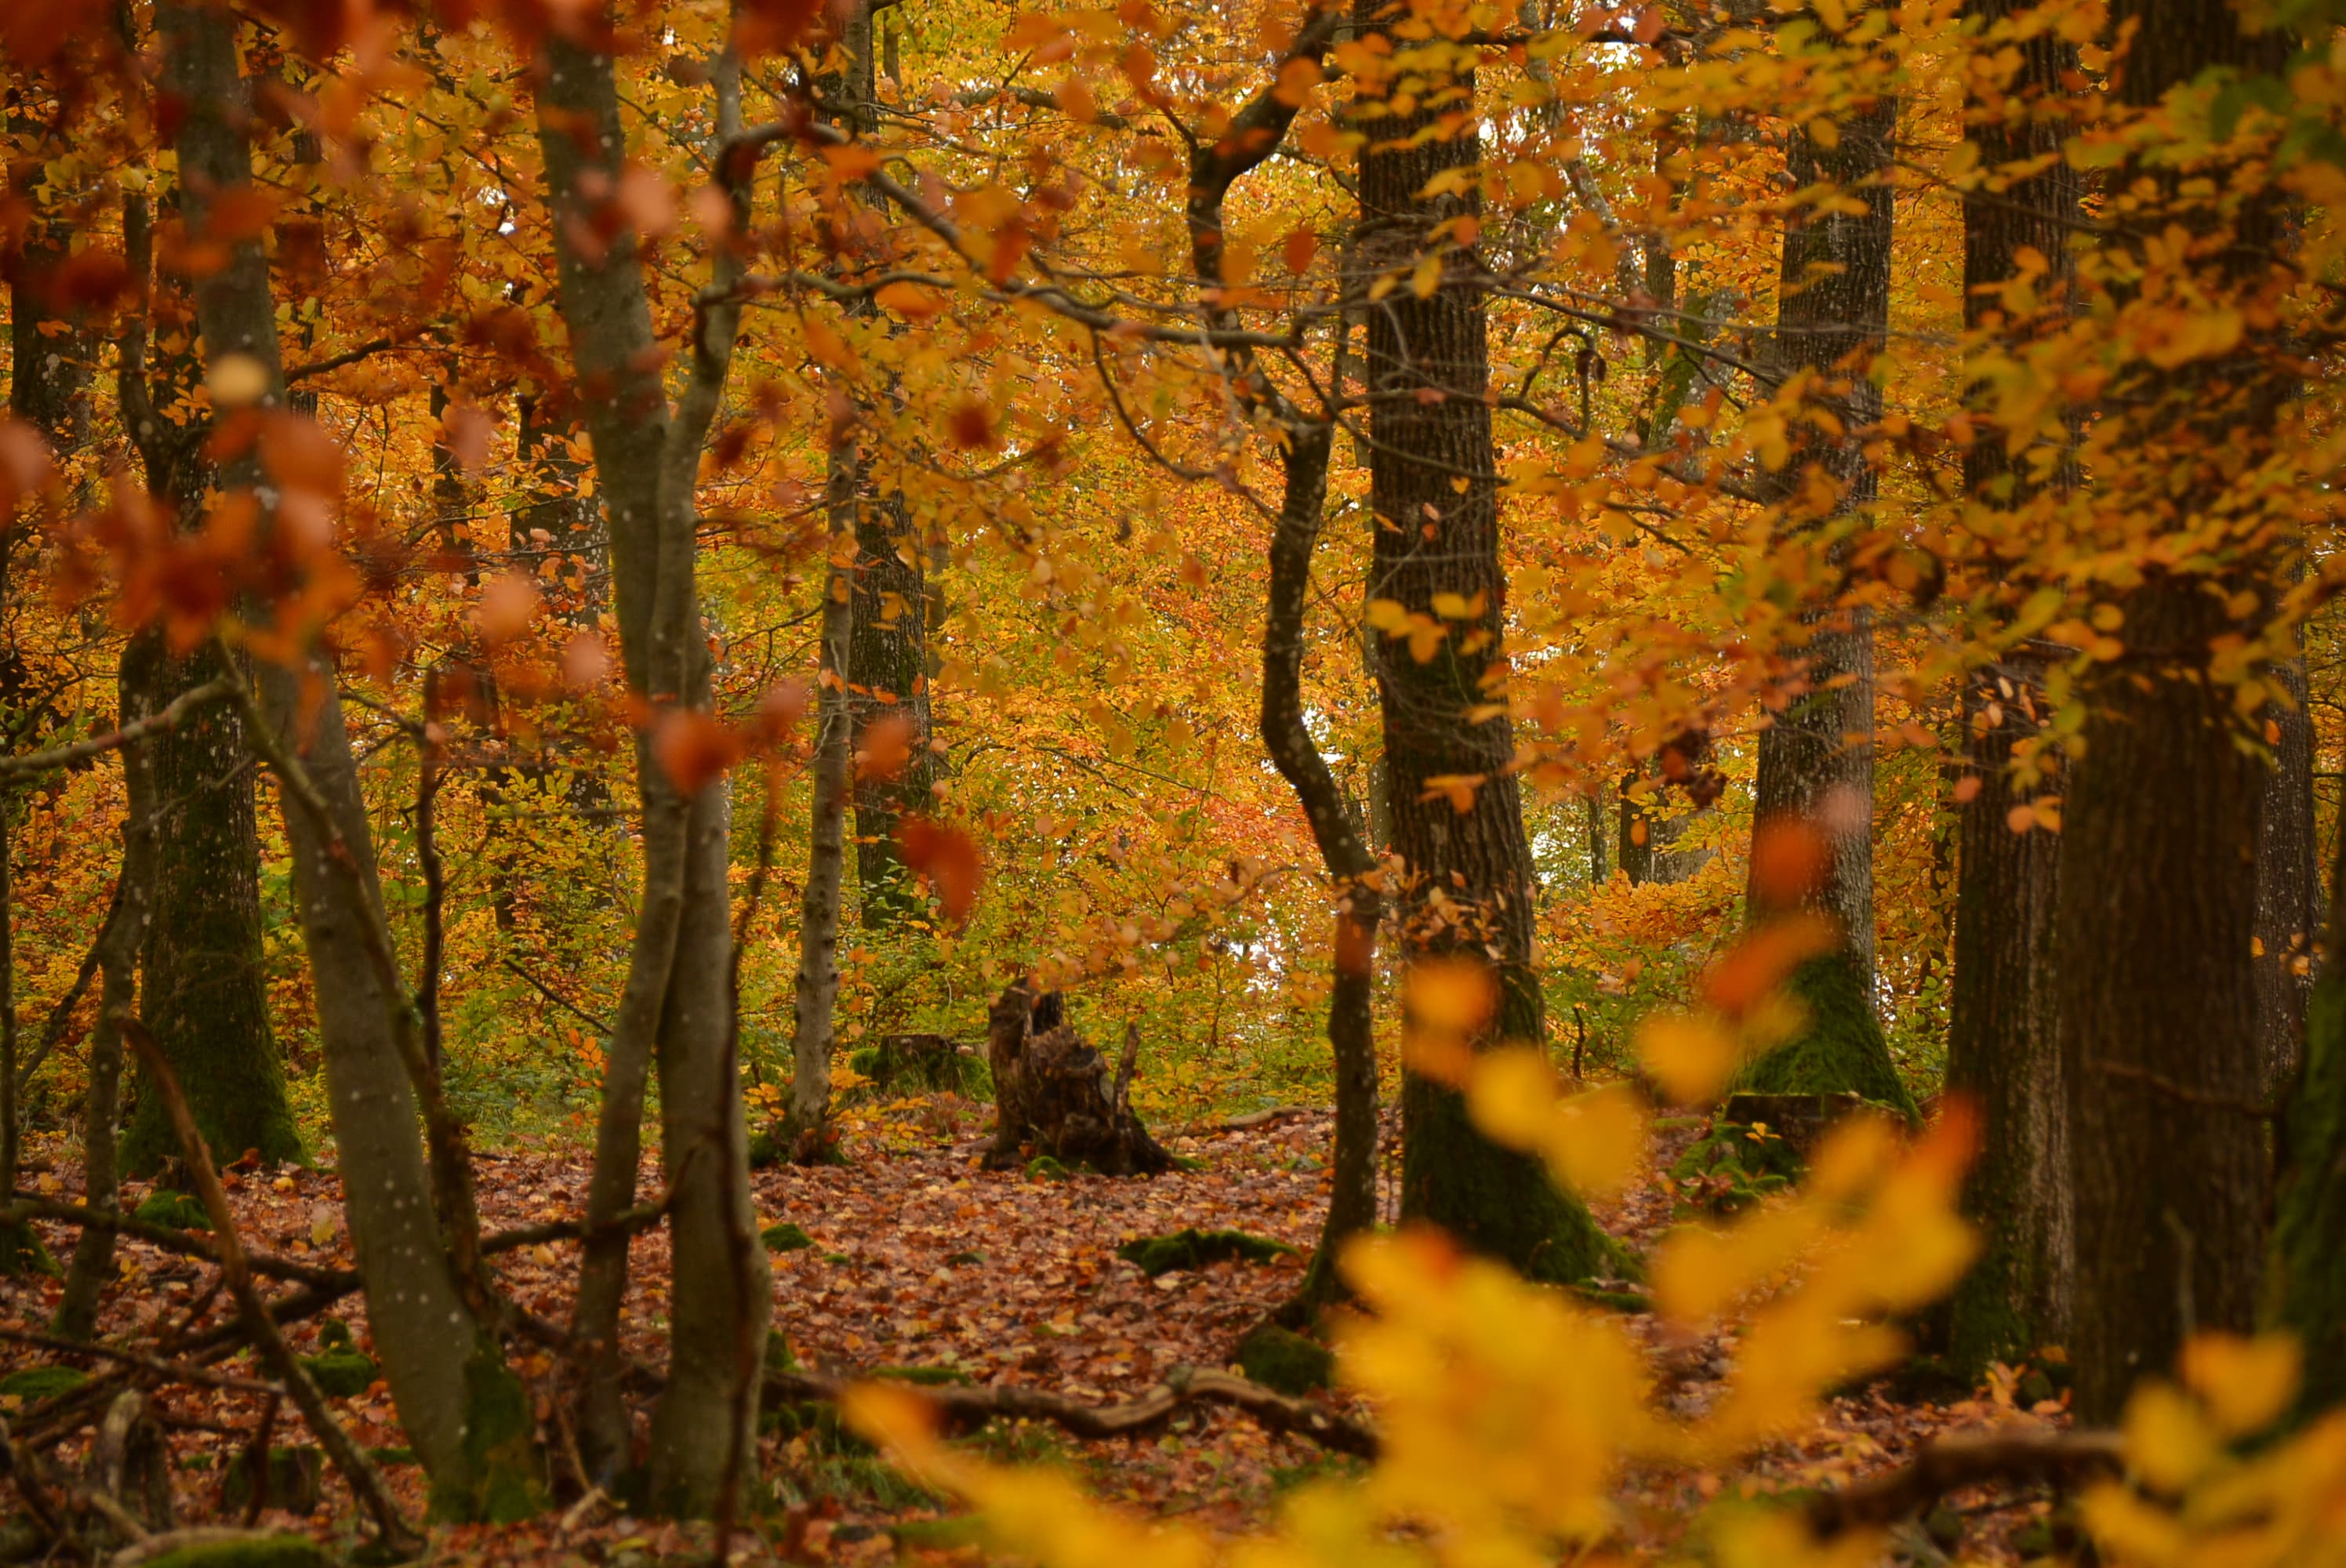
(920, 1259)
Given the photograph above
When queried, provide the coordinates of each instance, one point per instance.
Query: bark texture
(1054, 1090)
(2003, 1048)
(888, 654)
(2307, 1284)
(1816, 756)
(807, 1133)
(2289, 885)
(2159, 880)
(1434, 493)
(426, 1336)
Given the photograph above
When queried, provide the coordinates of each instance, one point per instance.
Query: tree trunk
(1816, 756)
(2306, 1286)
(445, 1371)
(2158, 905)
(807, 1133)
(675, 1004)
(117, 959)
(204, 996)
(888, 657)
(2003, 1047)
(1351, 1016)
(2289, 885)
(1434, 492)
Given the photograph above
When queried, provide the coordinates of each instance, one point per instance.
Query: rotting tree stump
(1053, 1090)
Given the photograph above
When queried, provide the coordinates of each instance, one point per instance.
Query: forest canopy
(1217, 780)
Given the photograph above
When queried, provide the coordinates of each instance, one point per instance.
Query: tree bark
(2306, 1284)
(2003, 1048)
(675, 1004)
(807, 1131)
(444, 1368)
(2289, 885)
(2159, 880)
(1816, 756)
(117, 960)
(888, 658)
(1434, 493)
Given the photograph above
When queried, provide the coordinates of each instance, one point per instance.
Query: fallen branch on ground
(1185, 1387)
(185, 1243)
(1953, 1463)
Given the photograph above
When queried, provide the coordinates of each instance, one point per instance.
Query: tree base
(1839, 1050)
(1496, 1201)
(22, 1252)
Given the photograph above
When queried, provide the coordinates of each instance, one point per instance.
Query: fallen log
(1951, 1464)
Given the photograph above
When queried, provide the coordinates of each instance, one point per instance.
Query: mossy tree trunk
(2003, 1050)
(1816, 756)
(1433, 495)
(2157, 903)
(205, 995)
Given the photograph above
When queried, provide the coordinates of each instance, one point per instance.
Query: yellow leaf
(1691, 1055)
(2244, 1383)
(1426, 277)
(2167, 1443)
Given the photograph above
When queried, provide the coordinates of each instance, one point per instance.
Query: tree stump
(920, 1064)
(1053, 1089)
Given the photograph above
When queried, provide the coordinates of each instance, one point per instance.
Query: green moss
(255, 1551)
(958, 1534)
(785, 1237)
(1281, 1360)
(1193, 1249)
(1046, 1168)
(2306, 1282)
(22, 1252)
(1497, 1201)
(1189, 1163)
(179, 1210)
(959, 1260)
(1839, 1050)
(342, 1374)
(1627, 1303)
(501, 1478)
(43, 1382)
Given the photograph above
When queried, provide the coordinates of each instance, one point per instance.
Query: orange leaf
(693, 749)
(948, 857)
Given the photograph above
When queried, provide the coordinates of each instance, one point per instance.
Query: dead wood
(1953, 1463)
(1054, 1090)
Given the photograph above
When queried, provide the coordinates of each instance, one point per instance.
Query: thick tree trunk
(1816, 756)
(675, 1004)
(1434, 495)
(2003, 1047)
(444, 1368)
(2158, 881)
(205, 997)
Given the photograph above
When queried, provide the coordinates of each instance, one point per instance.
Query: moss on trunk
(2307, 1278)
(1495, 1200)
(1839, 1050)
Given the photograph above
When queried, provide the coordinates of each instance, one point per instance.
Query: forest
(1253, 782)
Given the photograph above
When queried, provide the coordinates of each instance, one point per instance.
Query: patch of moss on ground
(1193, 1249)
(1285, 1361)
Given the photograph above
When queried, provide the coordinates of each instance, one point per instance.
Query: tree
(1457, 810)
(2157, 911)
(1816, 754)
(2002, 1048)
(677, 1007)
(447, 1373)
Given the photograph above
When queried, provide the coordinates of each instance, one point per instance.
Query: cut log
(1053, 1091)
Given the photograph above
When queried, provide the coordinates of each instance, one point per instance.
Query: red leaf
(947, 857)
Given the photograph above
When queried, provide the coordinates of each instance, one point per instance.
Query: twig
(187, 702)
(274, 1351)
(61, 1014)
(1953, 1463)
(643, 1217)
(600, 1025)
(185, 1243)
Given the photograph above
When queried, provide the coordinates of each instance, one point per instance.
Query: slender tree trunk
(2306, 1283)
(676, 1005)
(2159, 880)
(2003, 1047)
(118, 958)
(1434, 495)
(807, 1134)
(446, 1375)
(2288, 883)
(888, 657)
(1816, 756)
(1352, 1018)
